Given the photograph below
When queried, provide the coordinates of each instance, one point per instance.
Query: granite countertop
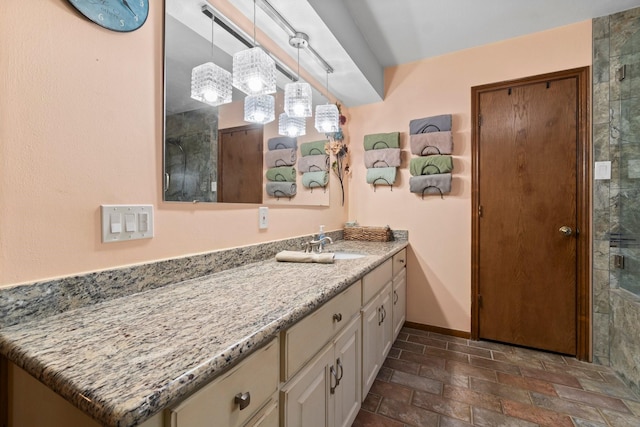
(123, 360)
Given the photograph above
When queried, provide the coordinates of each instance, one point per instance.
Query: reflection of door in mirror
(240, 164)
(190, 155)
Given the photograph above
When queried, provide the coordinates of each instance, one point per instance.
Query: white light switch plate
(602, 170)
(126, 222)
(263, 217)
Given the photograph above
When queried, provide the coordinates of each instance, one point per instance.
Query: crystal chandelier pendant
(291, 126)
(297, 99)
(211, 84)
(327, 118)
(259, 109)
(254, 72)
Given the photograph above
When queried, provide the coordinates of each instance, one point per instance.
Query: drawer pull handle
(339, 363)
(243, 399)
(337, 317)
(395, 294)
(332, 389)
(384, 314)
(379, 316)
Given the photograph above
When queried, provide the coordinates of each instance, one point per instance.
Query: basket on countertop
(370, 234)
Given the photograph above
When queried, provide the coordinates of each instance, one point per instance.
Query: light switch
(126, 222)
(602, 170)
(143, 222)
(130, 222)
(115, 222)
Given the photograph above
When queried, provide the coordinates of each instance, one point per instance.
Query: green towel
(429, 165)
(315, 179)
(381, 176)
(313, 148)
(282, 174)
(378, 141)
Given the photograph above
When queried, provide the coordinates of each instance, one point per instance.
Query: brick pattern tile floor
(437, 380)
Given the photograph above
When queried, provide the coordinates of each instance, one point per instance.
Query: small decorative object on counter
(367, 233)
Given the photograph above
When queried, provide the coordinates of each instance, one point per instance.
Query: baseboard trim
(438, 330)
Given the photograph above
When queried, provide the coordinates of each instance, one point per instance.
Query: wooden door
(528, 198)
(240, 164)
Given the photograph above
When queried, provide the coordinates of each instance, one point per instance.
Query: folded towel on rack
(282, 174)
(378, 141)
(281, 189)
(280, 142)
(384, 158)
(315, 179)
(293, 256)
(381, 176)
(425, 144)
(313, 148)
(431, 184)
(430, 124)
(317, 163)
(430, 165)
(282, 157)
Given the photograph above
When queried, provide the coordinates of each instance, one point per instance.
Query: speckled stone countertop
(124, 359)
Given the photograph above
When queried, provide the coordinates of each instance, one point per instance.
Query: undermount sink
(347, 255)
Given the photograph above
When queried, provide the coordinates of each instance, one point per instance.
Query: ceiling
(359, 38)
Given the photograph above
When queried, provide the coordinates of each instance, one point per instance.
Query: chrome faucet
(316, 245)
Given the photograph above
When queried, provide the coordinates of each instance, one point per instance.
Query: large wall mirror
(210, 153)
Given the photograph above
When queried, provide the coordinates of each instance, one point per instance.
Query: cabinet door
(267, 417)
(306, 397)
(386, 305)
(371, 343)
(399, 302)
(347, 362)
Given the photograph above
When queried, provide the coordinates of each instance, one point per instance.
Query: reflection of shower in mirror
(176, 171)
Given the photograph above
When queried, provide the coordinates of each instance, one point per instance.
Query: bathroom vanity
(264, 344)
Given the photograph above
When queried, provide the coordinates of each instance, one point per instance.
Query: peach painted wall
(439, 262)
(80, 126)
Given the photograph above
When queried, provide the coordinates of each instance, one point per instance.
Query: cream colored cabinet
(399, 291)
(237, 398)
(377, 321)
(377, 335)
(326, 392)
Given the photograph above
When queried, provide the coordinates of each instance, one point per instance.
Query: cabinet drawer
(303, 340)
(399, 262)
(374, 281)
(216, 403)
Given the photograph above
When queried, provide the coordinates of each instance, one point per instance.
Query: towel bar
(280, 145)
(311, 151)
(422, 153)
(283, 194)
(375, 182)
(424, 128)
(279, 175)
(432, 186)
(320, 185)
(381, 161)
(425, 167)
(380, 142)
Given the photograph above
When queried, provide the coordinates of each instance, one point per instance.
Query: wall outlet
(263, 217)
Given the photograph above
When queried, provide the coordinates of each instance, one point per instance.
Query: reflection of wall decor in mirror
(197, 134)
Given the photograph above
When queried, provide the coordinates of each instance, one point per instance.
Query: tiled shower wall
(191, 155)
(616, 135)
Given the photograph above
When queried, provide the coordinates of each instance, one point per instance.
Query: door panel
(527, 162)
(240, 164)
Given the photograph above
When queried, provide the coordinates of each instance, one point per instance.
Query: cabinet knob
(337, 317)
(243, 399)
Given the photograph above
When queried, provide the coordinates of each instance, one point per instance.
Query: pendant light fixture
(259, 109)
(291, 126)
(254, 71)
(327, 116)
(297, 96)
(210, 83)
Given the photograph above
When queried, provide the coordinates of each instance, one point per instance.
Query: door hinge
(479, 300)
(480, 211)
(479, 120)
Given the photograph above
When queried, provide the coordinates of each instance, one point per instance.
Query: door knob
(567, 231)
